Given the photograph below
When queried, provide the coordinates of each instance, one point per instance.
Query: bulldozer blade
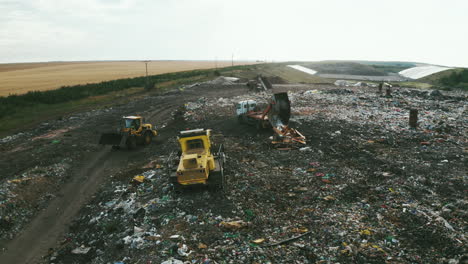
(110, 139)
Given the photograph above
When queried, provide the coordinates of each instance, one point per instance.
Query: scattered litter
(306, 149)
(81, 250)
(172, 261)
(234, 224)
(259, 241)
(139, 178)
(184, 251)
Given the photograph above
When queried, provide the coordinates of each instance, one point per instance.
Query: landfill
(367, 188)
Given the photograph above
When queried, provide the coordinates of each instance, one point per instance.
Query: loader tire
(147, 138)
(131, 142)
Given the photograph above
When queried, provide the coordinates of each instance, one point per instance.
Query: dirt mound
(276, 80)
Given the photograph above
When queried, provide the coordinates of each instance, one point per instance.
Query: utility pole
(146, 65)
(147, 80)
(232, 59)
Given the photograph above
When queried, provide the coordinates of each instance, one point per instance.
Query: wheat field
(19, 78)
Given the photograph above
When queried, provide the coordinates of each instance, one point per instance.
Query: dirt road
(46, 228)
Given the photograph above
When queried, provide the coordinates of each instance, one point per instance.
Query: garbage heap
(365, 189)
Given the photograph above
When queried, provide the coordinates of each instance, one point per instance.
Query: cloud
(432, 31)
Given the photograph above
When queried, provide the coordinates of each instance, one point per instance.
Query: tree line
(458, 79)
(10, 104)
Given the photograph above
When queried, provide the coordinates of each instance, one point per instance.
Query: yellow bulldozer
(132, 131)
(198, 162)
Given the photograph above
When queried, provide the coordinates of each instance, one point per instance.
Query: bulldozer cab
(195, 141)
(197, 164)
(194, 145)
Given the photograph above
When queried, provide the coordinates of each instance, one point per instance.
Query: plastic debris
(139, 178)
(184, 251)
(81, 250)
(172, 261)
(234, 224)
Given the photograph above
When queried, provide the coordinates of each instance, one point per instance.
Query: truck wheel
(258, 126)
(131, 142)
(240, 120)
(147, 138)
(276, 137)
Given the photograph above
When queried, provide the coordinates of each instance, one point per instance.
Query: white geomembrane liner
(303, 69)
(422, 71)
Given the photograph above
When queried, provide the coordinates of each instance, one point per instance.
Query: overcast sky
(404, 30)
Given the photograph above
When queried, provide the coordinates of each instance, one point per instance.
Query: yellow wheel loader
(132, 132)
(198, 162)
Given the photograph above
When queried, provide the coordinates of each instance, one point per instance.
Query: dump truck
(132, 131)
(198, 162)
(275, 114)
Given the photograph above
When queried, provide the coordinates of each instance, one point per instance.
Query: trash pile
(16, 209)
(223, 80)
(35, 162)
(202, 109)
(345, 83)
(11, 138)
(389, 114)
(365, 189)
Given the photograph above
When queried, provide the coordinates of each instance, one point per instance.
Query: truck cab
(243, 107)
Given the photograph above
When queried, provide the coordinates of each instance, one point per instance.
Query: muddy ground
(364, 189)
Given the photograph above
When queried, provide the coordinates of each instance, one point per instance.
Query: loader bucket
(110, 139)
(281, 110)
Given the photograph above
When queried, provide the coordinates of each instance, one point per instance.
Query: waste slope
(422, 71)
(303, 69)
